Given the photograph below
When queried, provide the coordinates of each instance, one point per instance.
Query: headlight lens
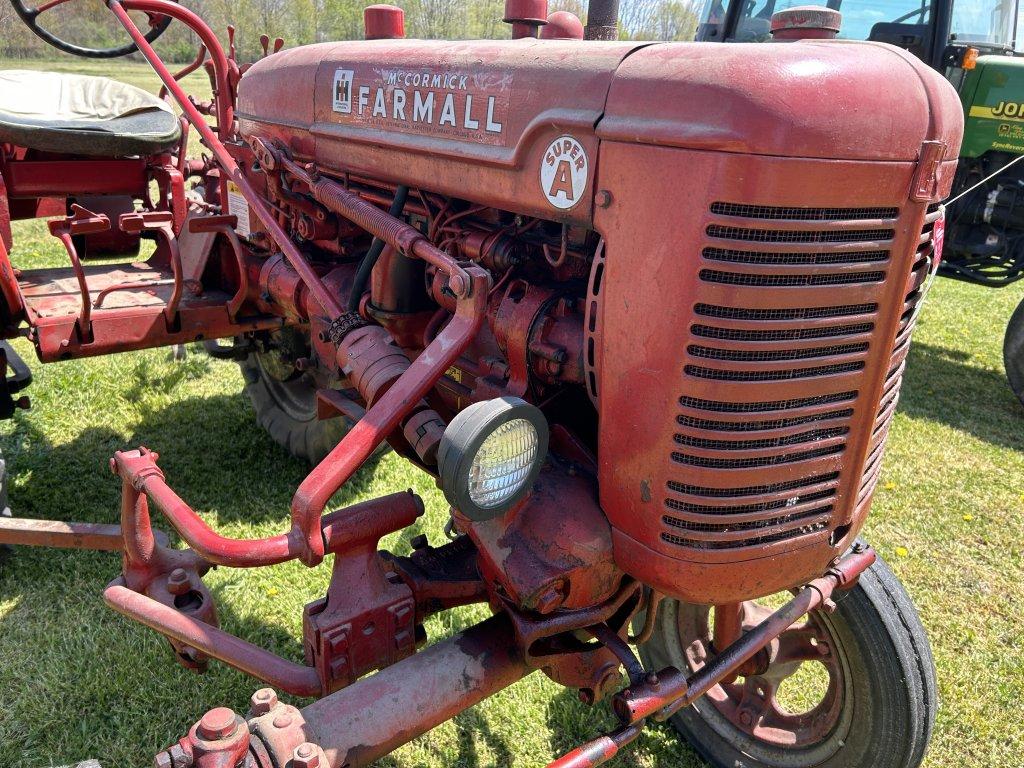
(490, 456)
(503, 463)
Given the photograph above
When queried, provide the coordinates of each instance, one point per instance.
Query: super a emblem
(563, 172)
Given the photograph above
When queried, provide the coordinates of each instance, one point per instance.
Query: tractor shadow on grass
(942, 385)
(213, 454)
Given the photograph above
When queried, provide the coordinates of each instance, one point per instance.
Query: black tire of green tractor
(1013, 351)
(892, 677)
(287, 410)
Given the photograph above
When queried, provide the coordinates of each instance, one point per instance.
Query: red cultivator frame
(644, 320)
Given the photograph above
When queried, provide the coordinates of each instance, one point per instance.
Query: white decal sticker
(563, 172)
(454, 104)
(238, 207)
(343, 91)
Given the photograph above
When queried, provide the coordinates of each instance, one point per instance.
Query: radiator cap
(806, 22)
(384, 22)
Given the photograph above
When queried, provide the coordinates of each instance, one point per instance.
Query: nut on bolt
(261, 702)
(178, 582)
(306, 755)
(218, 723)
(551, 598)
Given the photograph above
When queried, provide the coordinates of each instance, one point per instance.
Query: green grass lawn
(78, 681)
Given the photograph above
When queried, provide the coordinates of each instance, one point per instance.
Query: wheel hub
(794, 698)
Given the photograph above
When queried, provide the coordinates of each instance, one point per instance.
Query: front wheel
(852, 689)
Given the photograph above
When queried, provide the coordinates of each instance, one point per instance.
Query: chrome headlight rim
(462, 441)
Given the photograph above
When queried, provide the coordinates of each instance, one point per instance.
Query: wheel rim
(766, 712)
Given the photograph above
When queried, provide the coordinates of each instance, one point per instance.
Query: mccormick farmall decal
(453, 103)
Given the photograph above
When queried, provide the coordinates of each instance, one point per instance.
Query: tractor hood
(483, 115)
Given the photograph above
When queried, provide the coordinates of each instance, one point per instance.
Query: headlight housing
(490, 456)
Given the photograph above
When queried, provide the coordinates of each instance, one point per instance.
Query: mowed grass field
(78, 681)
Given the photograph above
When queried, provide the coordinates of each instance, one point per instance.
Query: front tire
(1013, 351)
(878, 701)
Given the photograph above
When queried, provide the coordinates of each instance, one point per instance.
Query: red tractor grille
(922, 270)
(773, 374)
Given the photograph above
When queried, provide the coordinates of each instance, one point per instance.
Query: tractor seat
(83, 115)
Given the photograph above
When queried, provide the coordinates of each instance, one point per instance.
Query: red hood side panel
(470, 119)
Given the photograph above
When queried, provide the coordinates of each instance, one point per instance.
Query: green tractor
(972, 43)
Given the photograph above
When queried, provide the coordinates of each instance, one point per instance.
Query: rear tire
(285, 404)
(884, 712)
(1013, 351)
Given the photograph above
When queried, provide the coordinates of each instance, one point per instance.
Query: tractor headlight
(490, 456)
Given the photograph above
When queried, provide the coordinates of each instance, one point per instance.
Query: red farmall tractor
(641, 309)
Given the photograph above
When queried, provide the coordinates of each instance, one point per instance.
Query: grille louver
(789, 305)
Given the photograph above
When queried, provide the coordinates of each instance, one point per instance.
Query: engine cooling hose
(376, 247)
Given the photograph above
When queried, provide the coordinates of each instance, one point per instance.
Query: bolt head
(283, 720)
(264, 700)
(163, 760)
(550, 599)
(457, 285)
(746, 718)
(217, 724)
(306, 755)
(178, 582)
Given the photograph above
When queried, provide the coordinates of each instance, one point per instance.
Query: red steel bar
(85, 313)
(225, 119)
(728, 624)
(407, 239)
(674, 690)
(384, 416)
(296, 679)
(373, 717)
(55, 533)
(600, 750)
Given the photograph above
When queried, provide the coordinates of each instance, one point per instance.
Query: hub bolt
(306, 755)
(217, 724)
(264, 700)
(178, 582)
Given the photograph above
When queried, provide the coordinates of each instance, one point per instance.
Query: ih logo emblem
(563, 172)
(343, 91)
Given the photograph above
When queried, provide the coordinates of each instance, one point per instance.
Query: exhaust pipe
(602, 20)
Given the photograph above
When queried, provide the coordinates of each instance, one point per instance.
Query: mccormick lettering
(456, 104)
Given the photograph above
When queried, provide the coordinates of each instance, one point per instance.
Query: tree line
(299, 22)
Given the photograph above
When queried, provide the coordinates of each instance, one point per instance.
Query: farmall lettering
(563, 172)
(454, 104)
